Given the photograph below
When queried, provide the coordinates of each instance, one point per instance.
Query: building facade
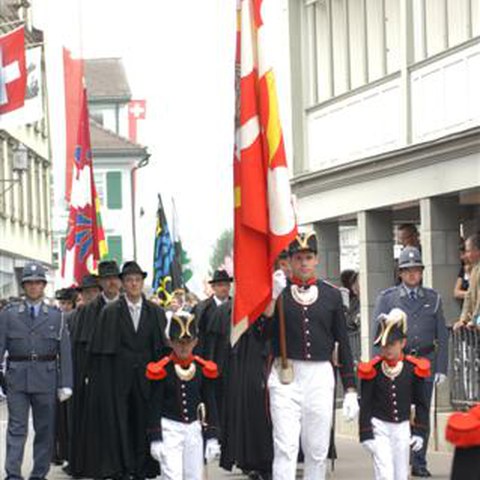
(386, 130)
(25, 180)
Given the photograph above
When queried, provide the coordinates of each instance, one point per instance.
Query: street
(353, 462)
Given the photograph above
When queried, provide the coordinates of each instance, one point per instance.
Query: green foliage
(223, 248)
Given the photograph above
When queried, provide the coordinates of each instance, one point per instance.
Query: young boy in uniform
(182, 405)
(390, 384)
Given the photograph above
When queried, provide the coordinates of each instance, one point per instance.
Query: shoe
(420, 472)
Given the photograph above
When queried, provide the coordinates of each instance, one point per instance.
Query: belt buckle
(34, 357)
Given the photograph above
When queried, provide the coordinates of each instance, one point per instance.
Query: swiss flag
(13, 72)
(136, 111)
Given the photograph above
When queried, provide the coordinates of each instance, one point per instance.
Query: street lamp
(19, 165)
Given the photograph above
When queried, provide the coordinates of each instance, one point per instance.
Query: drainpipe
(142, 163)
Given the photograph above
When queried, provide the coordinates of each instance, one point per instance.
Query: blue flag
(167, 275)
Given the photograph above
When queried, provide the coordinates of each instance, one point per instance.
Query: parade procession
(239, 239)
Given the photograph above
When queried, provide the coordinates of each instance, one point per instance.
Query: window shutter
(115, 248)
(114, 190)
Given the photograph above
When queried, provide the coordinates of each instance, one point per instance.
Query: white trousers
(392, 450)
(302, 411)
(182, 454)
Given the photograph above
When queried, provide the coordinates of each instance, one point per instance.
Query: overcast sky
(178, 56)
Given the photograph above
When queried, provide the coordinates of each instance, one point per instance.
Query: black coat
(204, 313)
(118, 356)
(82, 328)
(246, 427)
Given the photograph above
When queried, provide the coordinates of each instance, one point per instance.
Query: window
(46, 195)
(38, 194)
(349, 43)
(99, 178)
(97, 116)
(30, 185)
(114, 190)
(114, 243)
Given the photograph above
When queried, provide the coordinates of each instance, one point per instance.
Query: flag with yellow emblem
(264, 217)
(167, 273)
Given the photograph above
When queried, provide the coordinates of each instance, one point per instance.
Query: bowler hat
(108, 268)
(132, 268)
(69, 294)
(220, 276)
(89, 281)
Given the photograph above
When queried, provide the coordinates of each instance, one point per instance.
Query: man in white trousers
(305, 320)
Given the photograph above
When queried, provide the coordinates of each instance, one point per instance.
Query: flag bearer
(390, 384)
(182, 404)
(306, 322)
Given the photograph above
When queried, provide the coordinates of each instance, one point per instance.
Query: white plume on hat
(396, 317)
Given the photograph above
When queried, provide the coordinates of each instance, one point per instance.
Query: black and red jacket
(390, 400)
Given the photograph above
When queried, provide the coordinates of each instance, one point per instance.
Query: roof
(10, 20)
(106, 142)
(106, 80)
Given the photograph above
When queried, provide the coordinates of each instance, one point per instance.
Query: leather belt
(33, 357)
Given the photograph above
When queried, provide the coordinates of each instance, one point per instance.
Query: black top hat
(132, 268)
(182, 326)
(89, 281)
(220, 276)
(391, 327)
(305, 242)
(108, 268)
(69, 294)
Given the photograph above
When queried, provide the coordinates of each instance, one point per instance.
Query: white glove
(64, 394)
(416, 443)
(279, 283)
(350, 406)
(156, 450)
(212, 450)
(440, 378)
(369, 446)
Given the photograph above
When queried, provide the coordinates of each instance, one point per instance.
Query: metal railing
(464, 367)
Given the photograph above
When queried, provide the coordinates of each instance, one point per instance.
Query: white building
(386, 130)
(25, 179)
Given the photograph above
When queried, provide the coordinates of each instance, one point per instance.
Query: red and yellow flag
(85, 240)
(264, 217)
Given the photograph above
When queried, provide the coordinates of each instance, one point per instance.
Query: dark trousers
(43, 413)
(133, 408)
(466, 462)
(419, 459)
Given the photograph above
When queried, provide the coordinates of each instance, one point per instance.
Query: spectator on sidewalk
(471, 306)
(462, 282)
(351, 301)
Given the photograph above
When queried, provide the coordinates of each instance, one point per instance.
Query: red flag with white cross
(137, 110)
(13, 71)
(264, 219)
